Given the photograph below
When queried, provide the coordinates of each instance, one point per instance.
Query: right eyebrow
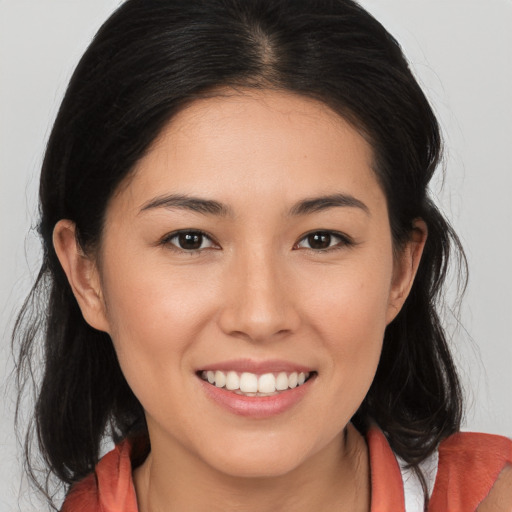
(185, 202)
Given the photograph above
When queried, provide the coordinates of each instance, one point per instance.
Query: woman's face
(252, 240)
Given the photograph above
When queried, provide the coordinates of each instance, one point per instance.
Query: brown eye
(189, 241)
(319, 240)
(324, 241)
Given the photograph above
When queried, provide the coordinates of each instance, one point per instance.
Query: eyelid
(345, 240)
(166, 240)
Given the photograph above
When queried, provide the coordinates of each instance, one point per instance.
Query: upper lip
(257, 367)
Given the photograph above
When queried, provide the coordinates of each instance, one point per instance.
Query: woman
(244, 264)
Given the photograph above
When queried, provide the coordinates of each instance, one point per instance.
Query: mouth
(256, 385)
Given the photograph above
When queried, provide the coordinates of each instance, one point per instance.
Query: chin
(271, 467)
(259, 459)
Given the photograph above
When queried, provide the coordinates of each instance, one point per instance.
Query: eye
(323, 241)
(189, 241)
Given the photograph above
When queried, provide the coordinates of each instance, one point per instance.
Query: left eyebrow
(317, 204)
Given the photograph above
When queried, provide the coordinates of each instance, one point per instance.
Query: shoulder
(468, 468)
(499, 498)
(475, 448)
(109, 488)
(83, 496)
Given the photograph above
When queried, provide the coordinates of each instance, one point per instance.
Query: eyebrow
(318, 204)
(212, 207)
(195, 204)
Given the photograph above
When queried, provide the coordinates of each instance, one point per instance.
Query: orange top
(469, 464)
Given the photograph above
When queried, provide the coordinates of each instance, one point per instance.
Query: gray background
(461, 52)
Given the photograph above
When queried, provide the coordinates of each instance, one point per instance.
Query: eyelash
(344, 241)
(167, 240)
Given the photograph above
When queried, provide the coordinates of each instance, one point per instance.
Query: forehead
(270, 145)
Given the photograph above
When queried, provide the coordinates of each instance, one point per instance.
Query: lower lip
(256, 406)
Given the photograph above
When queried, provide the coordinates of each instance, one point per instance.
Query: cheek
(349, 311)
(352, 299)
(157, 301)
(154, 314)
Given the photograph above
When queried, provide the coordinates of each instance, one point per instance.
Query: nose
(259, 304)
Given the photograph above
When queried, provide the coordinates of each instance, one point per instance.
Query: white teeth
(250, 384)
(232, 381)
(220, 379)
(267, 383)
(282, 382)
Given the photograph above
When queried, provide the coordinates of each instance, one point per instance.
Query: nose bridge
(259, 305)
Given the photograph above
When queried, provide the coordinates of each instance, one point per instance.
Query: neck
(336, 478)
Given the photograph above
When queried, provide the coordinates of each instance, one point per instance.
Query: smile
(256, 389)
(254, 385)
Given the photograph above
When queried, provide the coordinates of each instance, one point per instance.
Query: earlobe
(82, 274)
(405, 268)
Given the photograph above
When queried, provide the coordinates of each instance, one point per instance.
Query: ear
(405, 267)
(82, 274)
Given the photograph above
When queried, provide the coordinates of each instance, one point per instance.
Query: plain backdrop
(461, 53)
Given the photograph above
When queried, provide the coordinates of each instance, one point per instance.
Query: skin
(256, 289)
(500, 496)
